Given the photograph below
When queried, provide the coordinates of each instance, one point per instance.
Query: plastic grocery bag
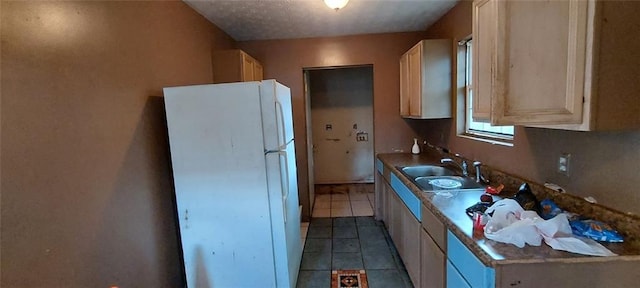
(510, 223)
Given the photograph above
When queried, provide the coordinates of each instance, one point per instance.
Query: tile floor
(343, 235)
(350, 243)
(344, 200)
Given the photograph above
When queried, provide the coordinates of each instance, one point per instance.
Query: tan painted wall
(605, 165)
(87, 198)
(284, 60)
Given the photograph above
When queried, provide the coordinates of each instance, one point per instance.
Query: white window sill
(494, 141)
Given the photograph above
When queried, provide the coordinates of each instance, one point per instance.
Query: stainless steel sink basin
(425, 171)
(434, 183)
(433, 178)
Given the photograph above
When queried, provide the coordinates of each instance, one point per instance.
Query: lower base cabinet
(395, 221)
(435, 257)
(388, 193)
(454, 279)
(404, 229)
(432, 263)
(411, 245)
(380, 200)
(468, 267)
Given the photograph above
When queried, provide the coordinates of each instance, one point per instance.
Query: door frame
(307, 112)
(307, 100)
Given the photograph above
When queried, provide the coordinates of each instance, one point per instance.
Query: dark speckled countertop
(451, 212)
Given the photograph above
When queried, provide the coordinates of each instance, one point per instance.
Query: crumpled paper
(512, 224)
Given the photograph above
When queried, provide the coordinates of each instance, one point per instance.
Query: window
(473, 128)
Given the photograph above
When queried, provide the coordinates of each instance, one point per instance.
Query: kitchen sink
(433, 178)
(426, 171)
(433, 183)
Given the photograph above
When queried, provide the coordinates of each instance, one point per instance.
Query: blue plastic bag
(595, 230)
(588, 228)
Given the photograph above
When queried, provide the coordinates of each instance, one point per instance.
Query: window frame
(465, 131)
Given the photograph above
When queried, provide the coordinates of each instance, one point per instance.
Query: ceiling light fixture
(336, 4)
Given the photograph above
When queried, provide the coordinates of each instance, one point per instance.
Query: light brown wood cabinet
(235, 66)
(482, 58)
(404, 85)
(433, 263)
(557, 64)
(380, 201)
(258, 73)
(425, 80)
(388, 207)
(433, 244)
(404, 230)
(411, 245)
(395, 222)
(403, 227)
(387, 203)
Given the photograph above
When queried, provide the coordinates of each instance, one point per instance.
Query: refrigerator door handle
(285, 183)
(284, 178)
(282, 128)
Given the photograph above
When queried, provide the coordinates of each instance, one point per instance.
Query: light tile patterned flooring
(343, 200)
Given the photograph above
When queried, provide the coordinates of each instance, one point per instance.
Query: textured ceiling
(286, 19)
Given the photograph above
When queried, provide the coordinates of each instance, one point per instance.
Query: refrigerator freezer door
(220, 175)
(277, 114)
(283, 96)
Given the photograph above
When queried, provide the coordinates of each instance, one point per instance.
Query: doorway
(340, 129)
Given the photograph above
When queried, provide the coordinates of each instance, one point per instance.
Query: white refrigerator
(234, 169)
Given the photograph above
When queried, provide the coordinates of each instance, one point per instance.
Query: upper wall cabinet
(235, 66)
(482, 56)
(557, 64)
(425, 80)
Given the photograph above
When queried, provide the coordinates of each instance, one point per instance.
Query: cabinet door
(257, 71)
(425, 80)
(404, 85)
(396, 229)
(378, 210)
(467, 264)
(381, 198)
(388, 208)
(433, 263)
(483, 58)
(436, 229)
(454, 279)
(247, 68)
(411, 245)
(415, 80)
(540, 62)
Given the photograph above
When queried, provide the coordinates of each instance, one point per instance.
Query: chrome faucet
(479, 177)
(463, 167)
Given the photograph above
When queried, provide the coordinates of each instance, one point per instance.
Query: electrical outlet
(563, 163)
(362, 136)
